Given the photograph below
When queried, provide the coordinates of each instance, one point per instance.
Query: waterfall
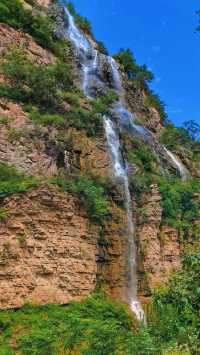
(120, 173)
(180, 167)
(88, 58)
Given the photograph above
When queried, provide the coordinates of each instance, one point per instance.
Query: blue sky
(161, 33)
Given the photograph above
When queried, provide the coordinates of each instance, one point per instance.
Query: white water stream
(90, 59)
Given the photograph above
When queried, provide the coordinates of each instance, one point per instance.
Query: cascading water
(88, 57)
(121, 175)
(180, 167)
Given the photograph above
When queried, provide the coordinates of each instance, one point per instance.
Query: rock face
(44, 3)
(15, 39)
(146, 114)
(47, 249)
(158, 246)
(17, 145)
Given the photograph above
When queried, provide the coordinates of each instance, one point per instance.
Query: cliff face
(159, 245)
(50, 250)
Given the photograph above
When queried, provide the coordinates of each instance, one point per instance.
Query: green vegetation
(85, 25)
(146, 168)
(175, 318)
(140, 77)
(45, 90)
(126, 58)
(3, 214)
(153, 100)
(142, 156)
(99, 326)
(93, 326)
(102, 104)
(179, 202)
(90, 191)
(102, 48)
(39, 26)
(180, 208)
(81, 21)
(12, 181)
(182, 139)
(38, 84)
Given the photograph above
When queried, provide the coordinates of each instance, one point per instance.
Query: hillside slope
(64, 216)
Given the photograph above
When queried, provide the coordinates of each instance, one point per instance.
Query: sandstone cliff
(50, 249)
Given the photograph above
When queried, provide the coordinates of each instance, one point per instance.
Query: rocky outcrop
(48, 249)
(112, 257)
(44, 3)
(15, 39)
(144, 113)
(22, 144)
(158, 246)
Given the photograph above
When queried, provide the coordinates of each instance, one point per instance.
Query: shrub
(142, 156)
(101, 105)
(102, 48)
(4, 120)
(176, 308)
(126, 58)
(12, 181)
(13, 93)
(3, 214)
(95, 325)
(173, 137)
(45, 118)
(178, 201)
(39, 26)
(86, 120)
(81, 21)
(153, 100)
(38, 84)
(13, 135)
(89, 190)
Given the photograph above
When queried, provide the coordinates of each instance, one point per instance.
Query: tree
(193, 129)
(133, 70)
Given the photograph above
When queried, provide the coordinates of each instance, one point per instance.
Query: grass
(13, 181)
(95, 325)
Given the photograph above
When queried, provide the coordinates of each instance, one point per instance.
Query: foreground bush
(175, 318)
(93, 326)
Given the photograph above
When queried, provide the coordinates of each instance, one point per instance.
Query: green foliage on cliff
(38, 25)
(126, 58)
(180, 207)
(99, 326)
(102, 48)
(183, 139)
(153, 100)
(38, 84)
(46, 90)
(90, 191)
(141, 76)
(93, 326)
(13, 181)
(141, 155)
(175, 318)
(83, 23)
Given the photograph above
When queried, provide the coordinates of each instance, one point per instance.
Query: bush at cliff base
(93, 326)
